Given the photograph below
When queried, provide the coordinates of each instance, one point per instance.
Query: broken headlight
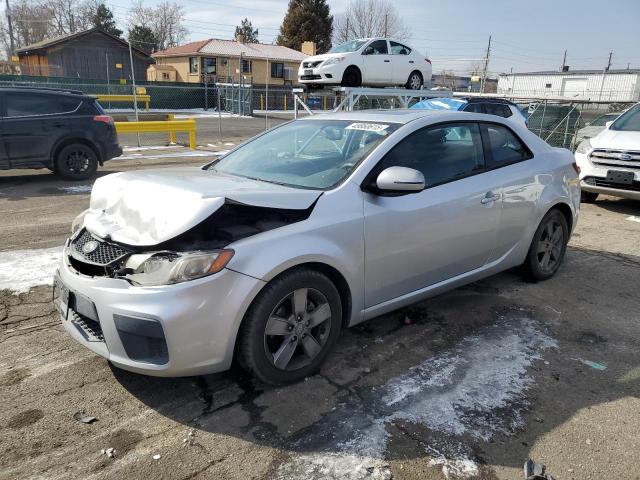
(165, 268)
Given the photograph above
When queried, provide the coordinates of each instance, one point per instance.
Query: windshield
(351, 46)
(628, 121)
(314, 154)
(602, 120)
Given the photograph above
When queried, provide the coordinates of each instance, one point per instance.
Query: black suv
(65, 131)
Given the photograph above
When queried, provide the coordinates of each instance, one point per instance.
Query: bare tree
(369, 18)
(37, 20)
(447, 79)
(70, 16)
(164, 20)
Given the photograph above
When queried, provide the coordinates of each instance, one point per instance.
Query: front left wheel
(291, 327)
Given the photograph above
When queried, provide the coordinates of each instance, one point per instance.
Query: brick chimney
(308, 48)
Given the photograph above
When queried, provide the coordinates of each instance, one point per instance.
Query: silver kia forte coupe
(266, 254)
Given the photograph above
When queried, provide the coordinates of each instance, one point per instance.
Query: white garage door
(573, 87)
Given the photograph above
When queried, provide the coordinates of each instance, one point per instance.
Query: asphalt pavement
(469, 384)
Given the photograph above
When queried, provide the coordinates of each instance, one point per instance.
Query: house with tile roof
(216, 60)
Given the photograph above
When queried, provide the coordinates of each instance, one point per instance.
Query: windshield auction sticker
(369, 127)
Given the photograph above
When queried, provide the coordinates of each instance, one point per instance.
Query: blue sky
(527, 35)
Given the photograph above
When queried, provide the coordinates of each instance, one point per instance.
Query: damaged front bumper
(171, 330)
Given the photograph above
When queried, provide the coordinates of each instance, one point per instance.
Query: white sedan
(367, 62)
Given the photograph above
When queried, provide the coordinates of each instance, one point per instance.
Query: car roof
(54, 91)
(400, 116)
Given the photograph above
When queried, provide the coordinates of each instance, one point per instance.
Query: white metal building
(614, 85)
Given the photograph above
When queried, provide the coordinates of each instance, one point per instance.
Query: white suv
(610, 162)
(367, 61)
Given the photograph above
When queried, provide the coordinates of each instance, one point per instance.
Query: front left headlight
(332, 61)
(166, 268)
(584, 146)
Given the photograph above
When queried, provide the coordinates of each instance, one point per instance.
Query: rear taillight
(576, 167)
(103, 119)
(428, 61)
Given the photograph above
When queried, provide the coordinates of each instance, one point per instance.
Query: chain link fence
(221, 110)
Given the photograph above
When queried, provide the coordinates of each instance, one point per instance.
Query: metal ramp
(348, 98)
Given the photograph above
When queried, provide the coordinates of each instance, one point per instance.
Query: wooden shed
(90, 54)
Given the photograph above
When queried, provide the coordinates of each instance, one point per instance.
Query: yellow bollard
(285, 102)
(261, 102)
(324, 102)
(172, 135)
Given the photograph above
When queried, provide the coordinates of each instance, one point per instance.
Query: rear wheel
(351, 77)
(76, 162)
(588, 197)
(415, 81)
(548, 247)
(291, 327)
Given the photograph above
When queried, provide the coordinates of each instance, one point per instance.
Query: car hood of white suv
(149, 207)
(616, 140)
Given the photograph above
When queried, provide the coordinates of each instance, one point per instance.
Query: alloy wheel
(549, 248)
(415, 82)
(77, 161)
(297, 329)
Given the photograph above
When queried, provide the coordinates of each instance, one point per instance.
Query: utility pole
(486, 66)
(604, 74)
(10, 26)
(346, 34)
(564, 61)
(386, 23)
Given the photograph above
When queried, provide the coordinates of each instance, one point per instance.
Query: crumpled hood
(616, 140)
(148, 207)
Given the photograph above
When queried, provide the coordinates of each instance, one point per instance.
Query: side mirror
(609, 123)
(400, 180)
(367, 51)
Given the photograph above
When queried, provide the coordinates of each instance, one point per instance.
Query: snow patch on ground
(21, 270)
(76, 189)
(477, 389)
(157, 147)
(633, 218)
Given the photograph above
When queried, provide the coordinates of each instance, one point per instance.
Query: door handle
(490, 197)
(387, 61)
(411, 61)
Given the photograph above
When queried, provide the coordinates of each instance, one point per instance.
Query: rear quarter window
(26, 104)
(503, 147)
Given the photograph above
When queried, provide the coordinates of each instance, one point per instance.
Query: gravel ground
(466, 385)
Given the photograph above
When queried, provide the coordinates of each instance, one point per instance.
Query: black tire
(76, 162)
(351, 77)
(256, 347)
(415, 81)
(588, 197)
(546, 254)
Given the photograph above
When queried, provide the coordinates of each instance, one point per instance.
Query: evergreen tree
(143, 39)
(307, 20)
(245, 31)
(103, 19)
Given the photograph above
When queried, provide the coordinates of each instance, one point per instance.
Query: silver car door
(377, 63)
(509, 156)
(416, 240)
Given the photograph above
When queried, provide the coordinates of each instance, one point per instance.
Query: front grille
(616, 158)
(311, 64)
(310, 77)
(89, 329)
(105, 254)
(601, 182)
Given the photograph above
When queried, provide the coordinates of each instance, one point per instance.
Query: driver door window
(443, 154)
